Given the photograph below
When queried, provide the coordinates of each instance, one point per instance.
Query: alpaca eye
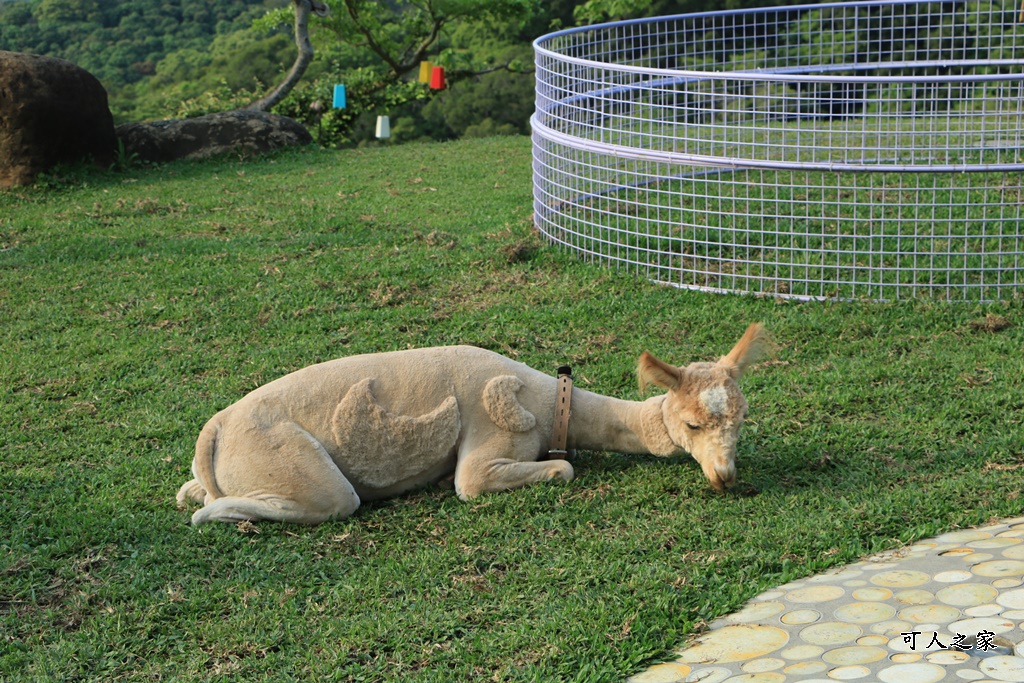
(692, 426)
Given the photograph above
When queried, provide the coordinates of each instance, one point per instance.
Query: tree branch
(302, 60)
(371, 42)
(469, 73)
(421, 51)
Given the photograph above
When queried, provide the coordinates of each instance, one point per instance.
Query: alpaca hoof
(560, 471)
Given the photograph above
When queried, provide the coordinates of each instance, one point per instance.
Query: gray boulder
(240, 132)
(51, 112)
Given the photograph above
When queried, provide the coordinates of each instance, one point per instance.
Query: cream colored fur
(312, 445)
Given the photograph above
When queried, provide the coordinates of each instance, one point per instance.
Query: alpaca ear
(650, 370)
(747, 350)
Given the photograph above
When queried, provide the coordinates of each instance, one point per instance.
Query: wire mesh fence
(850, 150)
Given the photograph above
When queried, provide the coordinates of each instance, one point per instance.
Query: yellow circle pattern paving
(736, 644)
(950, 608)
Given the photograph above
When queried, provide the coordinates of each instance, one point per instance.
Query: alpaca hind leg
(279, 473)
(191, 490)
(240, 509)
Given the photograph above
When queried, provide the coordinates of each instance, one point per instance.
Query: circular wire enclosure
(838, 151)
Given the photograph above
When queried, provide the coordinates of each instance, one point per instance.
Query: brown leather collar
(563, 400)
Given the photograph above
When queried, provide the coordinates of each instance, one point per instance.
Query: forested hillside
(167, 58)
(172, 58)
(127, 44)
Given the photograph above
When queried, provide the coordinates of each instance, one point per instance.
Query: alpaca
(310, 446)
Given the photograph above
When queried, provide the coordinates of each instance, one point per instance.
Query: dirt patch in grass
(990, 323)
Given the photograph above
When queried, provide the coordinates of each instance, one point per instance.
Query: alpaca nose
(726, 473)
(721, 475)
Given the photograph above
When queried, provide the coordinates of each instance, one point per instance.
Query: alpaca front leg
(488, 467)
(503, 474)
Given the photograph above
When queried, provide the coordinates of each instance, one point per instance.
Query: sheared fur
(312, 445)
(402, 447)
(504, 408)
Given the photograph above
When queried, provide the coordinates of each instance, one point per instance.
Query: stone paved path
(892, 618)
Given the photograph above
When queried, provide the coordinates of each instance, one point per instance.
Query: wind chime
(429, 73)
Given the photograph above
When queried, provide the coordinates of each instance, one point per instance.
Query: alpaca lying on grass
(310, 446)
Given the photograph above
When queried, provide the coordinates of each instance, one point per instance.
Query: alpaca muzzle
(721, 473)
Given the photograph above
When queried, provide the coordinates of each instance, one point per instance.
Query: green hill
(124, 44)
(179, 58)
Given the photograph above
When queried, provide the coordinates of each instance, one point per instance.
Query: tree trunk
(303, 8)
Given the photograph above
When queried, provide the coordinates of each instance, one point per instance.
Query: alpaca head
(704, 408)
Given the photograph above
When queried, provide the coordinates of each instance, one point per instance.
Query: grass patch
(136, 306)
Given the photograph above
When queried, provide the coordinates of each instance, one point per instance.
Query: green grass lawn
(136, 305)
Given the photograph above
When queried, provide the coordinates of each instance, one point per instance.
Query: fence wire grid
(835, 151)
